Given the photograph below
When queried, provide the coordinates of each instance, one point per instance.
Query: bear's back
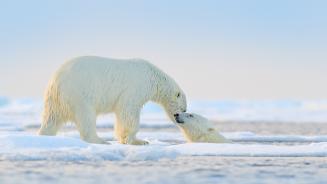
(102, 80)
(98, 64)
(100, 68)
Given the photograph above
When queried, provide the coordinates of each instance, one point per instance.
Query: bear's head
(171, 97)
(197, 128)
(175, 103)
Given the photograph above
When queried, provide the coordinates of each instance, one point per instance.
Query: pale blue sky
(214, 49)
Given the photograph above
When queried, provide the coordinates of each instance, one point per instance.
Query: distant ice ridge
(264, 110)
(25, 146)
(17, 114)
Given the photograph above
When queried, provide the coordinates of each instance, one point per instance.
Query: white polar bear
(197, 128)
(87, 86)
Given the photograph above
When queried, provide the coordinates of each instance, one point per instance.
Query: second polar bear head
(197, 128)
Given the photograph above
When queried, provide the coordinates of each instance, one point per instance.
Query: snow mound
(33, 147)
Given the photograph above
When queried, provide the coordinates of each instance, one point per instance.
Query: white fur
(197, 128)
(87, 86)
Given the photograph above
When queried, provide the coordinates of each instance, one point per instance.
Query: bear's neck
(161, 84)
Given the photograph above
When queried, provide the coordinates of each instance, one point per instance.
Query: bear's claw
(139, 142)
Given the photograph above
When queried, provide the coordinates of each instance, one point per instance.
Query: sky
(214, 49)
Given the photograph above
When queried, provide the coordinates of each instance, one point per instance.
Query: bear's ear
(211, 129)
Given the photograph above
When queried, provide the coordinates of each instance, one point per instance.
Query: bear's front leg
(126, 127)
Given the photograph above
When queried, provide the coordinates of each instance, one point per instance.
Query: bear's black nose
(178, 119)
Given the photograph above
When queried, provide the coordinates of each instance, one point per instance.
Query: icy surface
(19, 115)
(24, 146)
(281, 141)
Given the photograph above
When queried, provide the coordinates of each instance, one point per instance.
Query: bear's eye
(191, 116)
(178, 95)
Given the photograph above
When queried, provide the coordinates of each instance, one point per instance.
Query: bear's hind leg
(50, 126)
(86, 124)
(126, 127)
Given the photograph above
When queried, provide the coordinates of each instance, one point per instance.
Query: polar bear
(88, 86)
(197, 128)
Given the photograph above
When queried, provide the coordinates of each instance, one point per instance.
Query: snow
(26, 146)
(251, 137)
(23, 146)
(20, 118)
(233, 136)
(245, 150)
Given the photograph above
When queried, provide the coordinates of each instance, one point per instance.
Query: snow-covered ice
(26, 146)
(20, 114)
(258, 149)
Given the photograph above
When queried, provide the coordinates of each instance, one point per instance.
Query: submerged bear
(88, 86)
(197, 128)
